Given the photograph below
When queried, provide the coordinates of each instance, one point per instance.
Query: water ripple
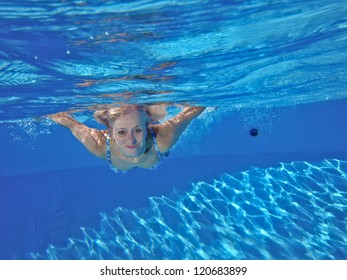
(235, 54)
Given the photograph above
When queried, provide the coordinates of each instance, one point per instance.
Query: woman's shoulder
(161, 136)
(100, 142)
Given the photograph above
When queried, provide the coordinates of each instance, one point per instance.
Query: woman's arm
(92, 139)
(168, 132)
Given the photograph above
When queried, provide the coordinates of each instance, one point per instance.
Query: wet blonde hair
(105, 116)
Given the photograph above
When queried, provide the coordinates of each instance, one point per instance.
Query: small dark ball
(254, 132)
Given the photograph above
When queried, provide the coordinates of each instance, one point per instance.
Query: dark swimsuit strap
(108, 154)
(155, 144)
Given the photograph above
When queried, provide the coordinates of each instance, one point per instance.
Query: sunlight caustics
(296, 211)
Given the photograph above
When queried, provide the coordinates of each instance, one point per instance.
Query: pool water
(275, 66)
(294, 211)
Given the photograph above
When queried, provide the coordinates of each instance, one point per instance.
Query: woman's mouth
(132, 147)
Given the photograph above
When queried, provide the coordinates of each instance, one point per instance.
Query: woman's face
(130, 132)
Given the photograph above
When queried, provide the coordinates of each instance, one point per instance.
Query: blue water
(295, 211)
(276, 66)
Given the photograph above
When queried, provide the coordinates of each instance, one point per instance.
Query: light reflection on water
(62, 55)
(295, 211)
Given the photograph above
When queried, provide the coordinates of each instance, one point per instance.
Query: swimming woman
(132, 138)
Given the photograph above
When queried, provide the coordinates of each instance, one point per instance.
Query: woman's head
(128, 127)
(153, 113)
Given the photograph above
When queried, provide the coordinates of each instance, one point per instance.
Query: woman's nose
(132, 138)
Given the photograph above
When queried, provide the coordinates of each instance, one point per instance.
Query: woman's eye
(138, 130)
(121, 133)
